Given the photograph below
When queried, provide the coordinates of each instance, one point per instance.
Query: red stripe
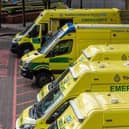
(14, 95)
(30, 101)
(24, 84)
(4, 71)
(5, 52)
(26, 92)
(5, 65)
(0, 126)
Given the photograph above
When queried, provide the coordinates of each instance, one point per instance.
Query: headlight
(27, 127)
(15, 40)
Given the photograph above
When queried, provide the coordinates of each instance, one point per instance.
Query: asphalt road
(16, 92)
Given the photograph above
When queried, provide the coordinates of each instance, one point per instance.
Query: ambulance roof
(107, 52)
(113, 109)
(100, 66)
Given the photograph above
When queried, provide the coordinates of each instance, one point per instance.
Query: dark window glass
(34, 32)
(57, 113)
(63, 47)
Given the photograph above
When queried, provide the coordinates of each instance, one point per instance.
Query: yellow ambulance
(94, 111)
(103, 76)
(53, 19)
(92, 53)
(65, 46)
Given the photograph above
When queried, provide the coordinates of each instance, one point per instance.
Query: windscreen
(58, 80)
(48, 102)
(27, 29)
(48, 45)
(51, 42)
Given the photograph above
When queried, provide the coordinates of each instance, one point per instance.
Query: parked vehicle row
(52, 20)
(65, 46)
(83, 71)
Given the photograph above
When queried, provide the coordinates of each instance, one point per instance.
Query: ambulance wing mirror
(29, 35)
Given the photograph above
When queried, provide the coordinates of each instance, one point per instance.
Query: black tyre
(42, 78)
(24, 49)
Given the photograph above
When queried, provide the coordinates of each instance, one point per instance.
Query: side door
(34, 35)
(40, 31)
(57, 113)
(61, 56)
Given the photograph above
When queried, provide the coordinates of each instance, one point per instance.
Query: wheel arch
(44, 70)
(43, 77)
(23, 47)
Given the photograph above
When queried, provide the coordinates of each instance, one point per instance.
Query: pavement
(12, 29)
(16, 92)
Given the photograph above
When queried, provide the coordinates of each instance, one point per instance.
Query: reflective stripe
(73, 73)
(76, 110)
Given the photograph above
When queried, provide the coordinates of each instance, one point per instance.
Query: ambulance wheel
(24, 48)
(42, 78)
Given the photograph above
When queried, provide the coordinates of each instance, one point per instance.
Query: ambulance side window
(57, 113)
(63, 47)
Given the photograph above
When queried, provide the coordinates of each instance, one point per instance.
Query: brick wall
(18, 18)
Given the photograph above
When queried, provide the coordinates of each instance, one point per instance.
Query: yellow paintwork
(90, 73)
(24, 39)
(105, 52)
(23, 118)
(91, 76)
(53, 16)
(110, 15)
(43, 92)
(98, 53)
(84, 36)
(96, 76)
(98, 110)
(33, 55)
(108, 76)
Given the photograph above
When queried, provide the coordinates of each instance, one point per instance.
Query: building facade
(121, 4)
